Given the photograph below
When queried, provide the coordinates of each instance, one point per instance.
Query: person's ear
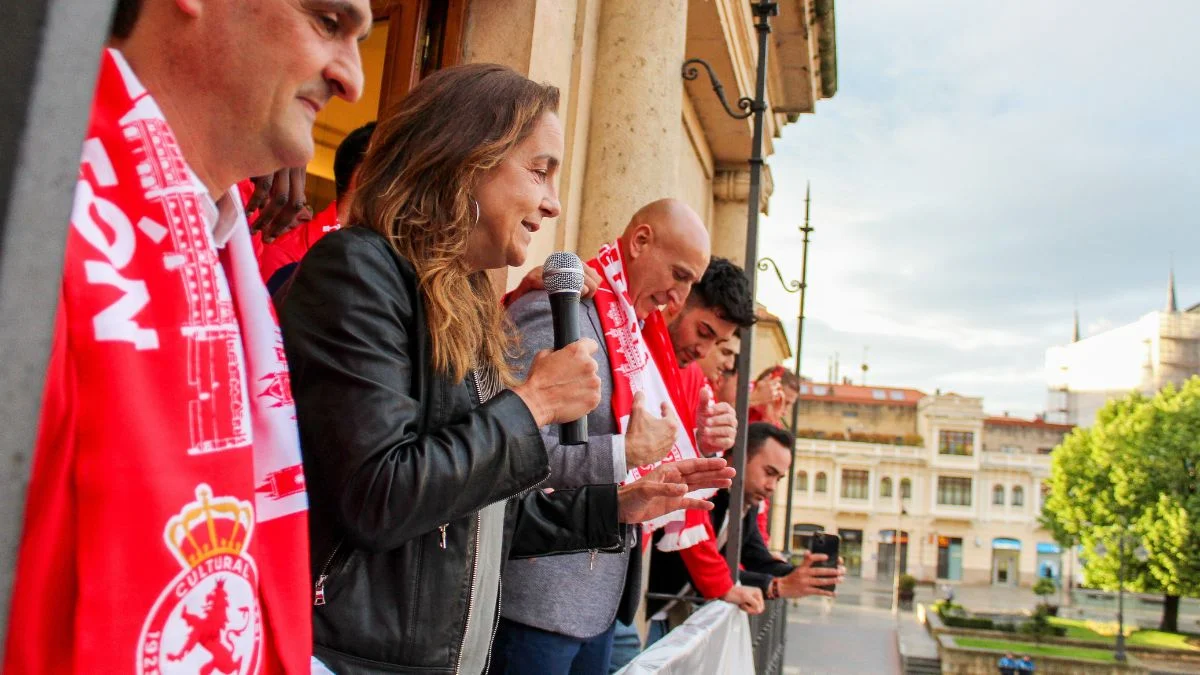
(642, 239)
(193, 8)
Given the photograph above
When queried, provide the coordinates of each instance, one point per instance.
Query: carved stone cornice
(733, 185)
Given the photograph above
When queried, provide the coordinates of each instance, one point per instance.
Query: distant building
(1159, 348)
(843, 411)
(970, 485)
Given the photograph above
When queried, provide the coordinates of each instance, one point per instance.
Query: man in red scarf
(166, 523)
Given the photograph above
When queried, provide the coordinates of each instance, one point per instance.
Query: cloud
(980, 168)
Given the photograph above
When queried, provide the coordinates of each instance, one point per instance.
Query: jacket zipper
(319, 588)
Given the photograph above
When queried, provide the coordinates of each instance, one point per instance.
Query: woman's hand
(562, 385)
(665, 489)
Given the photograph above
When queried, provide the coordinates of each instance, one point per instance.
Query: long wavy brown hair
(414, 187)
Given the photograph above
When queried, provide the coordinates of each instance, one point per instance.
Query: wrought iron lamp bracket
(745, 103)
(766, 263)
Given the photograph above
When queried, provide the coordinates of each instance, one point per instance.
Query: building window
(1018, 496)
(885, 487)
(1045, 451)
(849, 413)
(954, 491)
(820, 483)
(956, 442)
(802, 481)
(905, 488)
(855, 484)
(998, 495)
(802, 535)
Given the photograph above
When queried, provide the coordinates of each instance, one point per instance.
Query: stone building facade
(1145, 355)
(962, 489)
(635, 130)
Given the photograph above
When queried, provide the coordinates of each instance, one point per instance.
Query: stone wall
(958, 660)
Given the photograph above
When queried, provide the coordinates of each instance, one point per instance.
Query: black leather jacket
(399, 459)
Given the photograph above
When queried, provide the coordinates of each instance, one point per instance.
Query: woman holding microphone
(420, 451)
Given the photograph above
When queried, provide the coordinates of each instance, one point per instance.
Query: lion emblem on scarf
(207, 621)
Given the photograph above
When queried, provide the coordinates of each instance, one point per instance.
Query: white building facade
(1157, 349)
(965, 503)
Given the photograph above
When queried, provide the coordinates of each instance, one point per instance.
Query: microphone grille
(563, 273)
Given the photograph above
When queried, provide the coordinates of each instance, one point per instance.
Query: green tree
(1133, 476)
(1043, 588)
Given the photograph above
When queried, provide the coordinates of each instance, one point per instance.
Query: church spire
(1172, 305)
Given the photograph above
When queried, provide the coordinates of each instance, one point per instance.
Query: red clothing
(291, 247)
(706, 564)
(764, 510)
(245, 191)
(704, 561)
(166, 519)
(692, 381)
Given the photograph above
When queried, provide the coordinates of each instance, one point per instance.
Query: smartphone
(828, 544)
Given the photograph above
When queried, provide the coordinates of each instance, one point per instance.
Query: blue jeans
(627, 644)
(657, 631)
(525, 650)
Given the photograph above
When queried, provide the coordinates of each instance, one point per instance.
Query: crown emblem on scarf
(209, 527)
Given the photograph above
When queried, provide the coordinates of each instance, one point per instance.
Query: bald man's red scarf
(166, 525)
(643, 360)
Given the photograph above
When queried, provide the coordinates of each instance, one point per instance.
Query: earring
(476, 203)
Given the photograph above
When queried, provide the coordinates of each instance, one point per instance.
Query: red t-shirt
(286, 251)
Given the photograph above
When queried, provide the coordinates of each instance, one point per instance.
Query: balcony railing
(1015, 460)
(855, 449)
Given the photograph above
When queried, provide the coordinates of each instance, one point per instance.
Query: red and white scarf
(643, 360)
(166, 524)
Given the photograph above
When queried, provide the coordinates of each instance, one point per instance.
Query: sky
(982, 168)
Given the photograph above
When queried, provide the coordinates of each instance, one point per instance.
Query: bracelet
(773, 590)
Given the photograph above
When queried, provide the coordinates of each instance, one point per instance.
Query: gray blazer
(575, 594)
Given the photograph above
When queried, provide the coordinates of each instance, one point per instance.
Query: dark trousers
(525, 650)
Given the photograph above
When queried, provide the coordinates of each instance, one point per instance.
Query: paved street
(845, 638)
(856, 635)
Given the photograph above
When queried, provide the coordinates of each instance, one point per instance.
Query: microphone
(562, 275)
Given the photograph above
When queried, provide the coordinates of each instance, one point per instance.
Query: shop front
(1006, 560)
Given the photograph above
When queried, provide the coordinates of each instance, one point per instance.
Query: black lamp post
(1124, 541)
(800, 287)
(763, 11)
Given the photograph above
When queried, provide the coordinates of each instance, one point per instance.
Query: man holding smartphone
(768, 458)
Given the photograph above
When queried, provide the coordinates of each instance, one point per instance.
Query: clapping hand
(665, 489)
(716, 425)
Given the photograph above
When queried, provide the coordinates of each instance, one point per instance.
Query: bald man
(558, 612)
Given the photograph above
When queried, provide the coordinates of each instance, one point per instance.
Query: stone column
(731, 194)
(636, 126)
